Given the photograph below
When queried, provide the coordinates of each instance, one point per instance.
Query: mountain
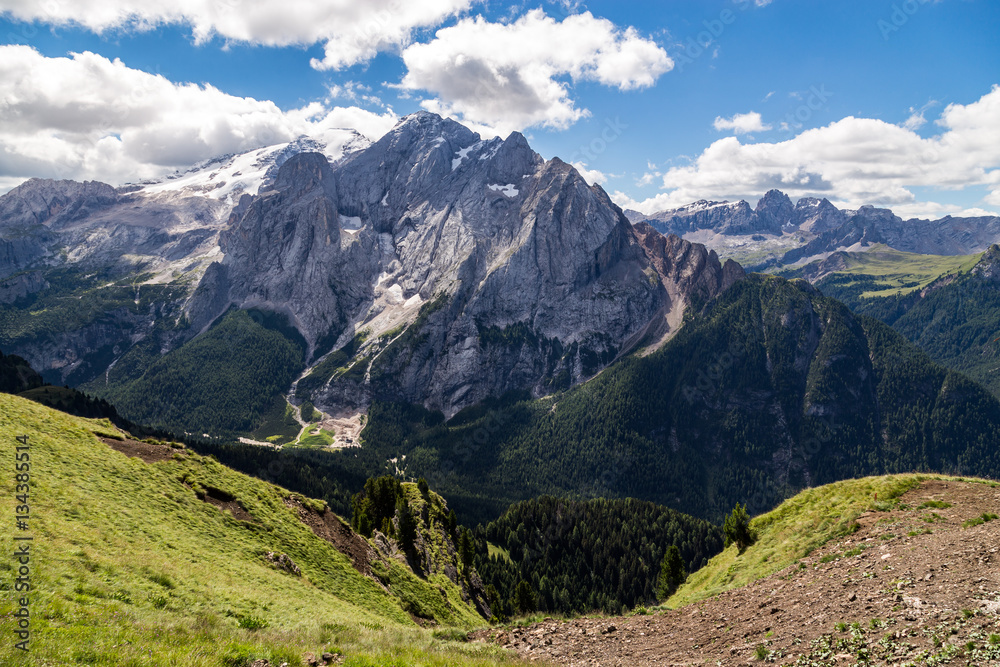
(132, 537)
(451, 268)
(955, 317)
(783, 234)
(765, 390)
(110, 267)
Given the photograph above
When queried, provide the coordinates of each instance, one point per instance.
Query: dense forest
(580, 556)
(771, 388)
(222, 382)
(16, 375)
(956, 320)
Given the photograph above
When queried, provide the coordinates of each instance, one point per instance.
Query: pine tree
(737, 528)
(672, 573)
(407, 526)
(524, 598)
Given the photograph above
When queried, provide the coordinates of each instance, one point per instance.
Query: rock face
(721, 217)
(456, 268)
(474, 267)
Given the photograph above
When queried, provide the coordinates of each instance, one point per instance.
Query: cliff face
(472, 268)
(462, 268)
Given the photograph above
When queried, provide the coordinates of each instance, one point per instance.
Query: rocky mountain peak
(774, 211)
(988, 266)
(53, 203)
(304, 171)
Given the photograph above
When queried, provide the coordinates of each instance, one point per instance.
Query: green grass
(793, 530)
(322, 439)
(900, 273)
(979, 520)
(130, 567)
(936, 504)
(499, 552)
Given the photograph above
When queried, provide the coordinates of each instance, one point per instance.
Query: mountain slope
(453, 268)
(912, 582)
(770, 389)
(175, 560)
(955, 319)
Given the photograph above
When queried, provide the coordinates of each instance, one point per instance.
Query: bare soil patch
(146, 451)
(331, 528)
(890, 594)
(226, 502)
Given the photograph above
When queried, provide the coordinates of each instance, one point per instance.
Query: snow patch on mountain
(228, 177)
(508, 190)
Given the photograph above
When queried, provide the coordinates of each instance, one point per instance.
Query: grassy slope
(899, 273)
(130, 567)
(792, 531)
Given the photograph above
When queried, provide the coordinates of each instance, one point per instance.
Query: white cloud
(647, 178)
(741, 123)
(915, 121)
(854, 161)
(509, 76)
(592, 176)
(352, 32)
(87, 117)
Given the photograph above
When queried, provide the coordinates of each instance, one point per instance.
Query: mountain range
(480, 316)
(778, 233)
(477, 240)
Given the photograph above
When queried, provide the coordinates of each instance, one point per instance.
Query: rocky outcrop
(20, 286)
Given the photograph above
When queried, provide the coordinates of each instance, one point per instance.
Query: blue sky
(874, 101)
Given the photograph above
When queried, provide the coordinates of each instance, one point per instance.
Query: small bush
(162, 580)
(451, 635)
(936, 504)
(737, 529)
(979, 520)
(240, 655)
(251, 622)
(761, 652)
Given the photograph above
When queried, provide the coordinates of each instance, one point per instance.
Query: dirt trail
(929, 598)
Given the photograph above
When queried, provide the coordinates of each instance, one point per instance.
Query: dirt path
(927, 598)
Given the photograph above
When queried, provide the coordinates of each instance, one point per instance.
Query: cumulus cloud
(87, 117)
(853, 161)
(592, 176)
(499, 77)
(741, 123)
(352, 32)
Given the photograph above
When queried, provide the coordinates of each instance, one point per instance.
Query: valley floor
(917, 584)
